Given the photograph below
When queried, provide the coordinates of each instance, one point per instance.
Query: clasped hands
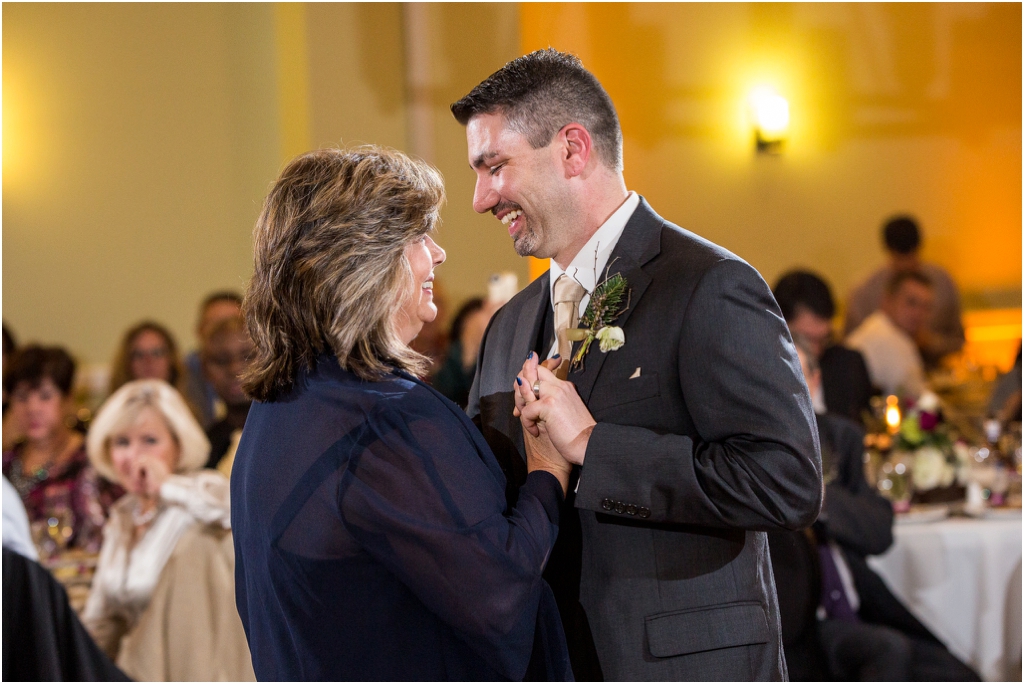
(556, 424)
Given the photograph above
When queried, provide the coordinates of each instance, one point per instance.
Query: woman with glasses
(147, 352)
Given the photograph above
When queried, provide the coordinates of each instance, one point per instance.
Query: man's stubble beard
(526, 242)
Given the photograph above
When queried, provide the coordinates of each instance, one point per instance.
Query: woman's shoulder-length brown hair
(121, 368)
(330, 271)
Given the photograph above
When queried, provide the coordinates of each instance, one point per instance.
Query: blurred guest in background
(11, 432)
(198, 390)
(886, 337)
(455, 378)
(226, 351)
(65, 498)
(162, 599)
(10, 346)
(839, 619)
(1005, 403)
(807, 305)
(147, 352)
(944, 331)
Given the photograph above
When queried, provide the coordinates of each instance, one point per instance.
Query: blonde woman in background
(162, 601)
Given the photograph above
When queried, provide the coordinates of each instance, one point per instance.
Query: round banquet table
(962, 578)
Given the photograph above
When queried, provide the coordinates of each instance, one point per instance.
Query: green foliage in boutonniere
(606, 304)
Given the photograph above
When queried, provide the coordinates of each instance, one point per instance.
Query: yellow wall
(894, 108)
(138, 144)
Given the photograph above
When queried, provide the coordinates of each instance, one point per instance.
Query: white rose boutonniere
(609, 299)
(610, 338)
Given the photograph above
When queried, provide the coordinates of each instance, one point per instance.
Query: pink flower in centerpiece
(929, 420)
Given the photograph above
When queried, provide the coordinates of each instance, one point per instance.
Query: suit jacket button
(645, 512)
(606, 504)
(631, 509)
(620, 507)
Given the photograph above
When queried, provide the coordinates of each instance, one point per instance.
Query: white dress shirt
(892, 358)
(587, 267)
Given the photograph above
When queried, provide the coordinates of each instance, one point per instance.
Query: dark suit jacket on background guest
(704, 436)
(845, 382)
(859, 520)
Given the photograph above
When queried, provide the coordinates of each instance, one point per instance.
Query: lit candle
(892, 413)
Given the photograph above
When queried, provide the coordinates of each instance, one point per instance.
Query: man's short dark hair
(541, 92)
(897, 280)
(220, 296)
(33, 364)
(803, 288)
(902, 235)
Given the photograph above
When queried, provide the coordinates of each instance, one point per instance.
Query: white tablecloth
(962, 579)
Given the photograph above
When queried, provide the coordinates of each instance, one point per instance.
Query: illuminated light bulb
(770, 114)
(892, 413)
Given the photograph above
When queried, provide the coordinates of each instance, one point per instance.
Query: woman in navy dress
(371, 532)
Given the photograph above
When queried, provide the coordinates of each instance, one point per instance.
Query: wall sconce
(770, 112)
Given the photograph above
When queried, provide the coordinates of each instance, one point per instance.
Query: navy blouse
(372, 541)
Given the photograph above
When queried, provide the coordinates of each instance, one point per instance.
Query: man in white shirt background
(886, 337)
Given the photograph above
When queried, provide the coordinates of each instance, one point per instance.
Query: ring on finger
(536, 388)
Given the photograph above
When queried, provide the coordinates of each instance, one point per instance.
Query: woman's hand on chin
(147, 476)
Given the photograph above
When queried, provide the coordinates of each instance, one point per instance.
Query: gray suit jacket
(689, 463)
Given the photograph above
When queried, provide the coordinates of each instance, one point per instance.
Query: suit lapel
(531, 318)
(640, 242)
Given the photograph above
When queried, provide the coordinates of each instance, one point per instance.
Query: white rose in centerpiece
(610, 338)
(931, 469)
(928, 401)
(963, 463)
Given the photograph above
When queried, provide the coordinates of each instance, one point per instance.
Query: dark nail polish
(557, 356)
(529, 356)
(518, 381)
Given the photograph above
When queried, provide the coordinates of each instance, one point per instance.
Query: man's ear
(577, 146)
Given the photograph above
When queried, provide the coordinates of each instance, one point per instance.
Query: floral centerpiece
(938, 464)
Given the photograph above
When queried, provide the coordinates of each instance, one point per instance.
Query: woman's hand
(148, 473)
(542, 455)
(558, 413)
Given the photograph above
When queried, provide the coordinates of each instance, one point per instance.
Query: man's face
(526, 189)
(910, 306)
(214, 313)
(815, 330)
(224, 360)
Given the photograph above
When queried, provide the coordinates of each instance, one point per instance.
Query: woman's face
(40, 411)
(424, 255)
(149, 357)
(148, 438)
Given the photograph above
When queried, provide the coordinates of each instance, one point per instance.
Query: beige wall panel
(139, 141)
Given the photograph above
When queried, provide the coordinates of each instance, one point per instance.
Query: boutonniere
(606, 304)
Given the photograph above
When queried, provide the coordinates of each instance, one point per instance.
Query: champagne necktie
(567, 297)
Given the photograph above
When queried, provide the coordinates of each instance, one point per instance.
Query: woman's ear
(577, 147)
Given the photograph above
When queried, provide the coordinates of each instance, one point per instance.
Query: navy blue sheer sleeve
(426, 500)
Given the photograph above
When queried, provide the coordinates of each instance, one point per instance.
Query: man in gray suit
(690, 440)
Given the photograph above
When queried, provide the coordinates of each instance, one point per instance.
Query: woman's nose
(437, 253)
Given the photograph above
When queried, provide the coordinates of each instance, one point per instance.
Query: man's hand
(558, 414)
